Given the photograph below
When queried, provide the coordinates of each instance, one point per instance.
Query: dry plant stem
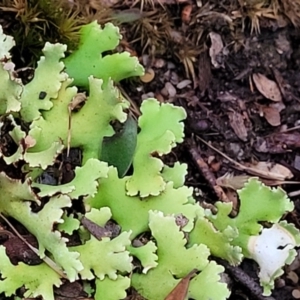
(294, 194)
(6, 232)
(76, 103)
(252, 171)
(69, 131)
(239, 275)
(133, 107)
(208, 175)
(291, 129)
(46, 259)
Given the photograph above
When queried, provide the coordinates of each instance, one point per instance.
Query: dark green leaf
(118, 150)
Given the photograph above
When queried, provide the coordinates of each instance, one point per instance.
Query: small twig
(252, 171)
(69, 131)
(294, 194)
(46, 259)
(240, 276)
(133, 107)
(6, 232)
(290, 129)
(208, 175)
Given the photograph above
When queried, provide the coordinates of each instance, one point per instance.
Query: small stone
(145, 59)
(184, 83)
(297, 162)
(159, 63)
(296, 294)
(160, 97)
(171, 65)
(200, 126)
(293, 277)
(164, 92)
(171, 89)
(167, 75)
(279, 283)
(148, 95)
(174, 78)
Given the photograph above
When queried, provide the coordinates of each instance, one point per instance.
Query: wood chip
(216, 49)
(204, 71)
(97, 231)
(237, 124)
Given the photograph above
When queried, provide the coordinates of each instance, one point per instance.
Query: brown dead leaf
(273, 169)
(267, 87)
(181, 289)
(233, 182)
(272, 113)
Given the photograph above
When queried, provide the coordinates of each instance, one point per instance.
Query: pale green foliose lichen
(150, 200)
